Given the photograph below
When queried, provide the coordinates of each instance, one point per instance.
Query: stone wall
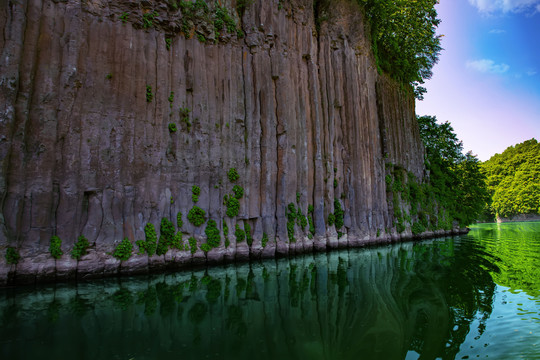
(296, 105)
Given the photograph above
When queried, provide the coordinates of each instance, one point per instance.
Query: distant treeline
(506, 185)
(513, 181)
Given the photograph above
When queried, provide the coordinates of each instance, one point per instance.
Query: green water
(474, 296)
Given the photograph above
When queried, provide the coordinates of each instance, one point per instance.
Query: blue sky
(487, 81)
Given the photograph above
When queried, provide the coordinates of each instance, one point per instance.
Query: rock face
(288, 95)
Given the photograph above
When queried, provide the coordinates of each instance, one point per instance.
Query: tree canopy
(404, 39)
(513, 180)
(455, 180)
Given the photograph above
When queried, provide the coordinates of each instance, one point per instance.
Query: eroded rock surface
(290, 97)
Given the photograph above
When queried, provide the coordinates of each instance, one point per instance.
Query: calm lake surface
(473, 296)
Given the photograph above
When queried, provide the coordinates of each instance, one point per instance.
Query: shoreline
(518, 218)
(96, 265)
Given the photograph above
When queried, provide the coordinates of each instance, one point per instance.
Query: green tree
(404, 39)
(443, 150)
(472, 189)
(455, 180)
(513, 180)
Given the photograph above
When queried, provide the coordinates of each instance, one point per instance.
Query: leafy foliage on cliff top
(200, 11)
(404, 39)
(455, 179)
(513, 179)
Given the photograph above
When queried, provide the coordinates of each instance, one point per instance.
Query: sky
(487, 81)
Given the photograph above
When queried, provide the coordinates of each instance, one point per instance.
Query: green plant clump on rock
(149, 245)
(264, 240)
(232, 204)
(124, 17)
(339, 214)
(331, 219)
(192, 244)
(195, 192)
(212, 234)
(149, 94)
(55, 247)
(12, 255)
(177, 241)
(240, 234)
(218, 16)
(238, 191)
(148, 19)
(179, 222)
(417, 228)
(232, 174)
(184, 117)
(166, 236)
(196, 216)
(80, 247)
(206, 247)
(310, 221)
(291, 219)
(123, 250)
(224, 19)
(301, 220)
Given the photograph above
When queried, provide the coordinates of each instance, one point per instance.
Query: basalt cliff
(115, 114)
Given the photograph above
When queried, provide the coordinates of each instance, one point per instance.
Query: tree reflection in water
(378, 303)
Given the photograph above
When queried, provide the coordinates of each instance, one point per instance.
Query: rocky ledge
(43, 268)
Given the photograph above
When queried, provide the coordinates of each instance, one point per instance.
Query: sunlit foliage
(404, 39)
(454, 179)
(513, 179)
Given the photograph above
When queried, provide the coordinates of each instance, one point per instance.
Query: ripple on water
(452, 298)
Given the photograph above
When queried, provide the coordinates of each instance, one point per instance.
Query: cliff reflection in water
(366, 303)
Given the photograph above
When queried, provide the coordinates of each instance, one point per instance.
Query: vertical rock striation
(87, 93)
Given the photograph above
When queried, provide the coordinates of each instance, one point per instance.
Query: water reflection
(517, 246)
(380, 303)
